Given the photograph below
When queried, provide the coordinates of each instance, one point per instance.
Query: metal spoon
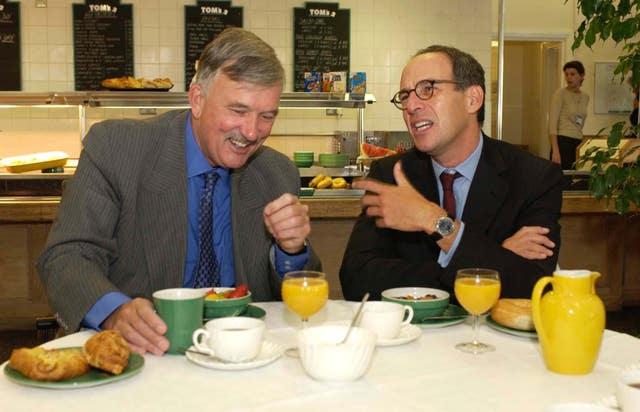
(355, 318)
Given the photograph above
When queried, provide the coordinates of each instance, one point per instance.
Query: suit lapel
(488, 189)
(162, 208)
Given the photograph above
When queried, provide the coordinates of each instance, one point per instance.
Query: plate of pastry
(105, 358)
(142, 84)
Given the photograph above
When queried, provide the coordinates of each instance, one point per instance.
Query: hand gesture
(400, 206)
(288, 222)
(139, 324)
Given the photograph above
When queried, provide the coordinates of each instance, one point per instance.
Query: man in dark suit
(507, 202)
(130, 222)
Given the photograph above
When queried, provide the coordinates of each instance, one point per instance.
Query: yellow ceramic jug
(569, 320)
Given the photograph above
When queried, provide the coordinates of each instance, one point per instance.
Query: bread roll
(513, 313)
(49, 365)
(107, 350)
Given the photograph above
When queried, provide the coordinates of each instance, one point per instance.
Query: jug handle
(535, 307)
(594, 276)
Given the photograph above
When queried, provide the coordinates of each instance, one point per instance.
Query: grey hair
(466, 70)
(242, 56)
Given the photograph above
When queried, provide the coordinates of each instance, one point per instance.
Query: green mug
(181, 309)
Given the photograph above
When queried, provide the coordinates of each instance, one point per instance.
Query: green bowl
(219, 308)
(421, 308)
(303, 163)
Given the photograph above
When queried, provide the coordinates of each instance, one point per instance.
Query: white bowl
(326, 360)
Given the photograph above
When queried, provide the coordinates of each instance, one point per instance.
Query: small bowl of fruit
(222, 302)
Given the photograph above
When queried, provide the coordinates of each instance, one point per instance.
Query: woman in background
(567, 115)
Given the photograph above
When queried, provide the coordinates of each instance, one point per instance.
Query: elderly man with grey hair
(189, 198)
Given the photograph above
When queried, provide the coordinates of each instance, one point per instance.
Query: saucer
(511, 331)
(270, 351)
(451, 310)
(407, 334)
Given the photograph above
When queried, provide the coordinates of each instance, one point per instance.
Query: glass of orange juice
(477, 290)
(304, 292)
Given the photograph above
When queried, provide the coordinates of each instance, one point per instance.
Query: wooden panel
(22, 298)
(329, 239)
(631, 281)
(592, 241)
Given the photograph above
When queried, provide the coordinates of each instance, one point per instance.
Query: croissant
(107, 350)
(49, 364)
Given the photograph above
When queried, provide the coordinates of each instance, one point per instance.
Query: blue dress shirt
(461, 187)
(197, 165)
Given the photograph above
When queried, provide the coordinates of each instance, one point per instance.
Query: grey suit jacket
(510, 189)
(122, 222)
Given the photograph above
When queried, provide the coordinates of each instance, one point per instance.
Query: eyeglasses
(424, 91)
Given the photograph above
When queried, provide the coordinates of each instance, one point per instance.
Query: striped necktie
(208, 270)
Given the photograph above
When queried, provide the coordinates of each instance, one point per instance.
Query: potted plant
(609, 176)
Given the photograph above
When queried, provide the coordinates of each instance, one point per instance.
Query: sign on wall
(203, 22)
(102, 42)
(10, 69)
(321, 40)
(611, 96)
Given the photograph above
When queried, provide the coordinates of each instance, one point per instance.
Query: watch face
(445, 226)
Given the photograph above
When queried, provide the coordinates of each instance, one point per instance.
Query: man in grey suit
(128, 223)
(507, 202)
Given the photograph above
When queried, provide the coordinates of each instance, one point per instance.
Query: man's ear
(196, 100)
(475, 98)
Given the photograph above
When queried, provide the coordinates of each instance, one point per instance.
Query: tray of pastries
(128, 83)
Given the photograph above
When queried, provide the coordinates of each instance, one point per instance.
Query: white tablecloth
(426, 374)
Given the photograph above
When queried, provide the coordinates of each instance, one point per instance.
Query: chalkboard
(102, 42)
(321, 40)
(203, 22)
(10, 72)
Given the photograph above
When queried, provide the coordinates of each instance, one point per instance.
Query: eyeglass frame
(432, 82)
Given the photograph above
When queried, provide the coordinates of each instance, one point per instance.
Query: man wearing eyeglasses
(457, 199)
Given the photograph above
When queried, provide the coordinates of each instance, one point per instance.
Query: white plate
(270, 351)
(407, 334)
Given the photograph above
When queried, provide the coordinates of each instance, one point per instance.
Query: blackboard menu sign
(321, 40)
(102, 42)
(203, 22)
(10, 73)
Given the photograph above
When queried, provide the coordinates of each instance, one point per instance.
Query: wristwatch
(444, 227)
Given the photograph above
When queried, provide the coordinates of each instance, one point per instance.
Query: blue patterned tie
(207, 271)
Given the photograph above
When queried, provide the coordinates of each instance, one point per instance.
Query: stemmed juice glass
(477, 290)
(304, 292)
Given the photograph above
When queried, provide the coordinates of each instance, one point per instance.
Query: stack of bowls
(333, 159)
(303, 159)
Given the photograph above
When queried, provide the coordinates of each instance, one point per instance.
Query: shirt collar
(467, 168)
(197, 164)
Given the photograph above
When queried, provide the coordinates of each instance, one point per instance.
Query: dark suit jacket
(510, 189)
(122, 222)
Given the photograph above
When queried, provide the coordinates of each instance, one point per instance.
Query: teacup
(232, 339)
(385, 319)
(181, 310)
(628, 390)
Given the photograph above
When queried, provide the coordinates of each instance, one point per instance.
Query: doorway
(532, 72)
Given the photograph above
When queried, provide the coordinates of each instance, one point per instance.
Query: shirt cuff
(104, 307)
(445, 257)
(286, 263)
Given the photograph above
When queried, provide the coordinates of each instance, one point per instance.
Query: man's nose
(251, 127)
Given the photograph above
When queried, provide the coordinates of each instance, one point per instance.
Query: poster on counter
(203, 22)
(102, 42)
(321, 41)
(10, 69)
